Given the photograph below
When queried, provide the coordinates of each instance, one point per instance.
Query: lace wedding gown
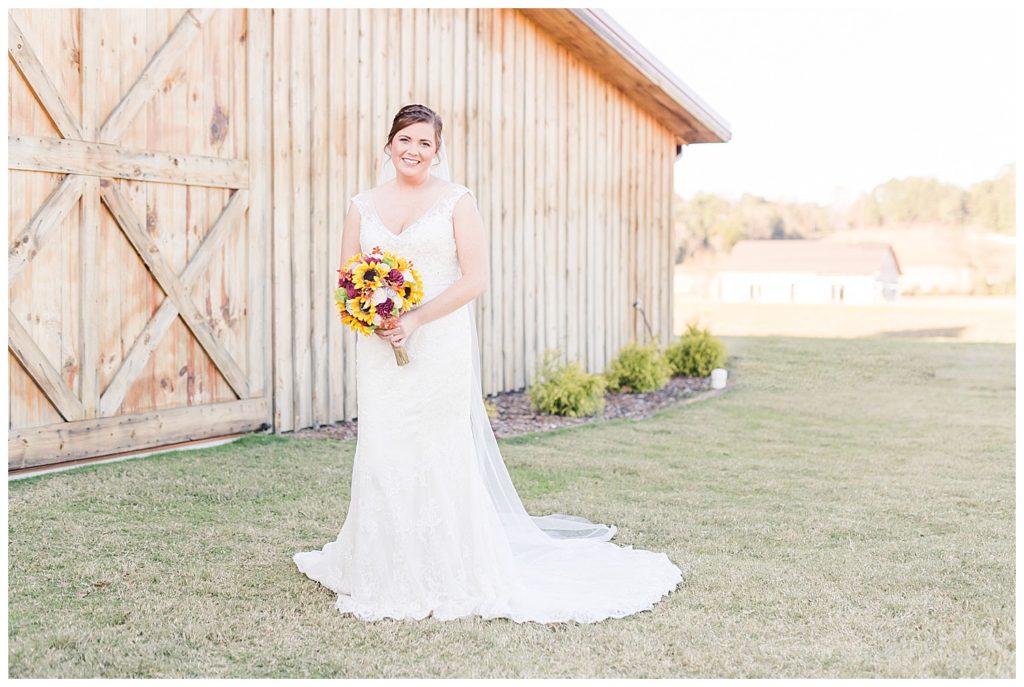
(433, 528)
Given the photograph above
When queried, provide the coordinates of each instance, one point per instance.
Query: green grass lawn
(846, 509)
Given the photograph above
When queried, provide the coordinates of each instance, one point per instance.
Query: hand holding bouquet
(374, 290)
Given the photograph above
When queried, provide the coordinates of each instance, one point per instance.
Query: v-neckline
(373, 206)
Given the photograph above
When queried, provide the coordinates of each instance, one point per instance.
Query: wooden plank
(144, 345)
(583, 198)
(89, 226)
(547, 103)
(153, 76)
(441, 54)
(136, 233)
(63, 156)
(407, 50)
(258, 87)
(531, 304)
(380, 46)
(601, 284)
(139, 296)
(436, 79)
(622, 290)
(48, 217)
(456, 119)
(484, 193)
(574, 263)
(669, 190)
(562, 203)
(337, 206)
(224, 43)
(643, 228)
(392, 19)
(421, 51)
(35, 362)
(358, 145)
(299, 110)
(520, 283)
(667, 157)
(53, 444)
(511, 278)
(655, 231)
(282, 280)
(587, 195)
(32, 69)
(472, 131)
(494, 345)
(610, 261)
(321, 260)
(629, 335)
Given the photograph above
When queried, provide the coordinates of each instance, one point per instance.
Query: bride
(434, 525)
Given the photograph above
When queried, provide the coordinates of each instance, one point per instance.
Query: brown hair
(410, 114)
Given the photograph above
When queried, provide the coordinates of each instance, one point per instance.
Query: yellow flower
(361, 307)
(400, 263)
(412, 290)
(369, 275)
(355, 324)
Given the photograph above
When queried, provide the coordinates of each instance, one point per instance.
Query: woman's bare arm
(350, 235)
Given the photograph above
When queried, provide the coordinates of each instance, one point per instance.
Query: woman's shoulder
(458, 190)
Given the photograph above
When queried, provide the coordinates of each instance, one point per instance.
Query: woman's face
(413, 149)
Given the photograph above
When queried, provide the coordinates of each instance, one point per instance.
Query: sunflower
(411, 291)
(369, 275)
(355, 324)
(361, 307)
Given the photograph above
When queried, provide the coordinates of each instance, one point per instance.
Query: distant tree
(991, 203)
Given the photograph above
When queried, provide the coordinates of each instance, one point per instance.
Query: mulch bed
(515, 416)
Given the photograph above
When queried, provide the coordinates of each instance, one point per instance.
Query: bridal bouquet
(374, 289)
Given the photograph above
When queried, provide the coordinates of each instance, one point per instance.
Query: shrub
(638, 368)
(696, 353)
(566, 389)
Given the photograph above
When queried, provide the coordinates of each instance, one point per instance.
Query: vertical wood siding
(574, 183)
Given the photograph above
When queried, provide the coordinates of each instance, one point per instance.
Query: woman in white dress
(434, 525)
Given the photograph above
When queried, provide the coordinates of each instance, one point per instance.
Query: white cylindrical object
(718, 376)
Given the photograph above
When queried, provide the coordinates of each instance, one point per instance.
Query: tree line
(709, 222)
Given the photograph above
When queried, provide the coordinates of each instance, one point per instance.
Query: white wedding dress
(434, 526)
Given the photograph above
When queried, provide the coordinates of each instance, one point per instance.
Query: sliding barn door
(138, 229)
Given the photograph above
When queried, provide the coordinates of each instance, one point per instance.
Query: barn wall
(274, 119)
(574, 183)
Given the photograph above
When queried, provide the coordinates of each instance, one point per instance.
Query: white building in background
(808, 271)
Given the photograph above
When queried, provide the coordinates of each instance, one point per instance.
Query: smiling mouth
(409, 161)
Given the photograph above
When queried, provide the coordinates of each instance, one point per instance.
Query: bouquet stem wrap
(401, 357)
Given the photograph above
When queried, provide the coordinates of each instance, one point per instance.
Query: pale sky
(824, 104)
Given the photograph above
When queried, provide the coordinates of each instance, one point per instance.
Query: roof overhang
(595, 38)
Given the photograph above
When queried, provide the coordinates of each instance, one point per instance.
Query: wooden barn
(178, 181)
